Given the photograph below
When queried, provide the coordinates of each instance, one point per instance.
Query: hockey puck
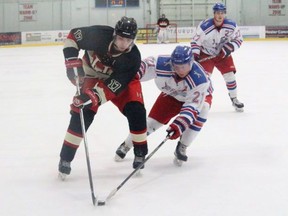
(101, 203)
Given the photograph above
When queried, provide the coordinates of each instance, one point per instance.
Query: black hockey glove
(72, 63)
(87, 99)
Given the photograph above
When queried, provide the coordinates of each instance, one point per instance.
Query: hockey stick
(113, 192)
(85, 139)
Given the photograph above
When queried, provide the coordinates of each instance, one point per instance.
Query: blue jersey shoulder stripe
(229, 22)
(163, 63)
(164, 73)
(190, 81)
(196, 76)
(163, 67)
(207, 24)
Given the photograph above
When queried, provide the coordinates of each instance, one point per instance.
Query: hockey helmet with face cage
(182, 55)
(126, 27)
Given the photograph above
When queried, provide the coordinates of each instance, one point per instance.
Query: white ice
(238, 165)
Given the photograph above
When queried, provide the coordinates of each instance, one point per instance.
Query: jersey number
(197, 97)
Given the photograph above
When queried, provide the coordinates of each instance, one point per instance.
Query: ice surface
(238, 165)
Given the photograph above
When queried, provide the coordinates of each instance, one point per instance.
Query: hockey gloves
(226, 50)
(178, 126)
(87, 99)
(72, 63)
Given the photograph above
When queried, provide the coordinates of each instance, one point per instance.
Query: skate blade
(117, 158)
(62, 176)
(239, 109)
(138, 173)
(177, 162)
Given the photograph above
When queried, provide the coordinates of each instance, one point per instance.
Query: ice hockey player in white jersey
(212, 44)
(186, 93)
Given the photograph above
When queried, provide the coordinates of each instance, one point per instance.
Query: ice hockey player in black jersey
(106, 72)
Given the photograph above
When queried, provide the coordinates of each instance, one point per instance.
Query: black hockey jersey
(163, 22)
(97, 42)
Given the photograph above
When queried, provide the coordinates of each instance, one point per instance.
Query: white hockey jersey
(210, 39)
(191, 90)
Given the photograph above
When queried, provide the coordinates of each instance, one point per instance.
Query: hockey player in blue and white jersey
(212, 44)
(185, 94)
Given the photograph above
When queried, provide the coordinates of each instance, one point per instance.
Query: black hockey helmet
(126, 27)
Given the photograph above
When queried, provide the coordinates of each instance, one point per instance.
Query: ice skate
(239, 107)
(180, 154)
(64, 169)
(121, 152)
(137, 161)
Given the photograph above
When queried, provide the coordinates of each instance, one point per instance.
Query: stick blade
(101, 203)
(112, 193)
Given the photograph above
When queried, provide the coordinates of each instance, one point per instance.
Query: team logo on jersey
(78, 35)
(174, 91)
(98, 66)
(223, 39)
(167, 87)
(114, 85)
(197, 74)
